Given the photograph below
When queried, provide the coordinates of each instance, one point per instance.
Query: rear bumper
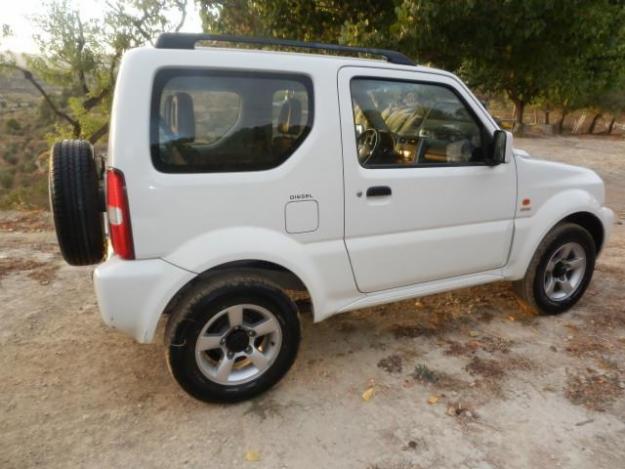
(132, 295)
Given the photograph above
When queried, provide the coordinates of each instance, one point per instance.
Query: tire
(554, 281)
(203, 316)
(75, 202)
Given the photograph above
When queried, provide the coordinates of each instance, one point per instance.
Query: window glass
(401, 123)
(207, 121)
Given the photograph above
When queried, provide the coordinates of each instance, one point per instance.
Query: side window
(208, 121)
(400, 123)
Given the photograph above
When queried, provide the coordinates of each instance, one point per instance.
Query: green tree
(562, 52)
(595, 78)
(131, 23)
(519, 47)
(611, 102)
(313, 20)
(82, 57)
(243, 17)
(5, 31)
(598, 89)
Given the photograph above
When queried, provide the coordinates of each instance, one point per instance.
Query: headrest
(180, 116)
(290, 117)
(167, 110)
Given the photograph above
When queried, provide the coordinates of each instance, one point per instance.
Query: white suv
(237, 176)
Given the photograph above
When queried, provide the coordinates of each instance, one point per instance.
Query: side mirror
(498, 156)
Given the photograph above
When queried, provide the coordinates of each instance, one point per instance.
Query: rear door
(421, 204)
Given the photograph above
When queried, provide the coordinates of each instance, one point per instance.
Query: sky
(17, 14)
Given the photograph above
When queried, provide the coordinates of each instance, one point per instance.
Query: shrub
(10, 158)
(13, 126)
(6, 179)
(34, 196)
(28, 167)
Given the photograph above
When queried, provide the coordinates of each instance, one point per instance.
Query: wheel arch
(288, 261)
(591, 223)
(278, 274)
(572, 206)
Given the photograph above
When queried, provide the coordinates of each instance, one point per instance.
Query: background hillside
(25, 127)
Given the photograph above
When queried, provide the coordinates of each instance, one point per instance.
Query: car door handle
(379, 191)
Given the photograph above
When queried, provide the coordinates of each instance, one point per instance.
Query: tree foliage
(313, 20)
(526, 49)
(5, 31)
(564, 52)
(81, 57)
(131, 23)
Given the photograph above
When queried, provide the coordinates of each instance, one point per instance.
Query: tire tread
(74, 193)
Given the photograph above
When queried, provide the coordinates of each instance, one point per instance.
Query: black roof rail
(188, 41)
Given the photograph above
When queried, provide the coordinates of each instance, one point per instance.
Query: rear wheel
(75, 200)
(232, 339)
(560, 271)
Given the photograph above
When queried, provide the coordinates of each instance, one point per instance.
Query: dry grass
(391, 364)
(595, 390)
(27, 222)
(439, 379)
(42, 272)
(485, 368)
(488, 344)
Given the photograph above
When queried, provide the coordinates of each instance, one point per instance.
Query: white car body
(443, 228)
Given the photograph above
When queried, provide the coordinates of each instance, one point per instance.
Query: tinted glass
(402, 123)
(207, 121)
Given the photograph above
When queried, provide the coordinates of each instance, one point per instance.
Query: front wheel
(560, 270)
(232, 339)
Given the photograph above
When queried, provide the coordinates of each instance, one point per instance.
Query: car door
(421, 202)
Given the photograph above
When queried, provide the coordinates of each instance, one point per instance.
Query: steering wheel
(368, 143)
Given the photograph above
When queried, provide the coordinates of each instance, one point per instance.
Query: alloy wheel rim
(238, 344)
(565, 271)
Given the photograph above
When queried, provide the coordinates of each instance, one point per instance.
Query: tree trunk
(519, 109)
(611, 126)
(560, 124)
(77, 129)
(546, 117)
(98, 134)
(593, 124)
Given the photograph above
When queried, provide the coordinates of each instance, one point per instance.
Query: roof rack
(188, 41)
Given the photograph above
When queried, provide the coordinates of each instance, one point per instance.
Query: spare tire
(75, 202)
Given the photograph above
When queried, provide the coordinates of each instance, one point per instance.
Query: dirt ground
(464, 379)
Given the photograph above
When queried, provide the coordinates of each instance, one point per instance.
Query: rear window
(216, 121)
